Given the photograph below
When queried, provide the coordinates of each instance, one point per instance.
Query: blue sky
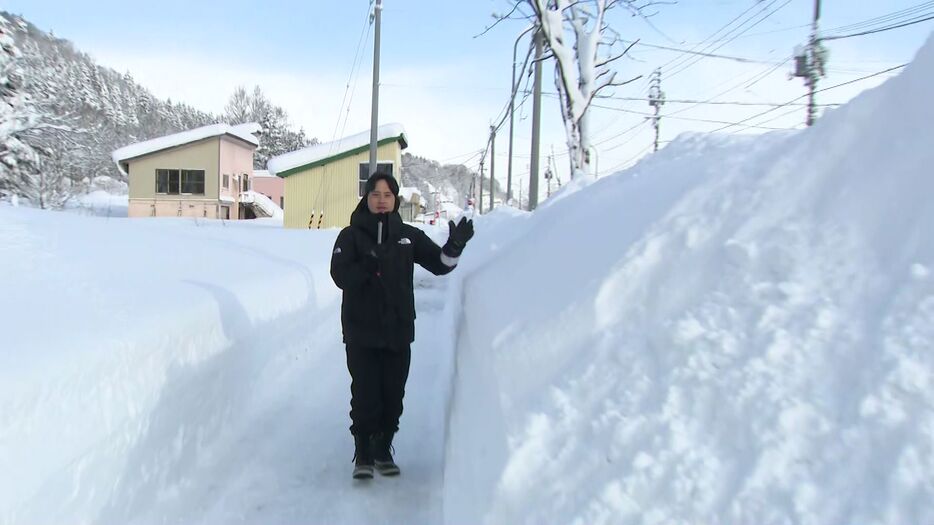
(445, 85)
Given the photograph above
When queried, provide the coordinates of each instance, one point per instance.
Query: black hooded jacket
(378, 307)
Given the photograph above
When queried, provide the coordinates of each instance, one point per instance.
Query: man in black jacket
(373, 262)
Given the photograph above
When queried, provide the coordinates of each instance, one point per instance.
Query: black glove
(458, 236)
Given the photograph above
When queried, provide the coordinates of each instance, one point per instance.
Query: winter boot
(363, 457)
(382, 454)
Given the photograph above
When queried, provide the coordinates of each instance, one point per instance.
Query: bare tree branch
(500, 19)
(617, 84)
(617, 57)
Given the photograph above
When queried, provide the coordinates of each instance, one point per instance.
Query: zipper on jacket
(379, 232)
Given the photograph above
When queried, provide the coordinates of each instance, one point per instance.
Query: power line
(783, 30)
(773, 119)
(712, 103)
(676, 118)
(725, 38)
(469, 155)
(880, 30)
(889, 18)
(627, 141)
(630, 159)
(768, 15)
(363, 33)
(702, 42)
(699, 53)
(805, 95)
(756, 78)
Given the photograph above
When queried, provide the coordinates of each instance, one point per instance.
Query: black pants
(377, 387)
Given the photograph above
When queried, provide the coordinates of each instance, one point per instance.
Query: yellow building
(324, 182)
(195, 173)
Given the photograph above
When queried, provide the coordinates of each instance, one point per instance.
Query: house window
(167, 181)
(175, 182)
(246, 182)
(282, 202)
(193, 182)
(381, 167)
(226, 182)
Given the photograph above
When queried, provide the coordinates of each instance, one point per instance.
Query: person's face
(381, 199)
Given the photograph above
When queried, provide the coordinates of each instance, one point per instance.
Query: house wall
(331, 188)
(163, 207)
(236, 160)
(201, 155)
(272, 187)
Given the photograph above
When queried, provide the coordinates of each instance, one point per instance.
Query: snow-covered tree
(276, 132)
(18, 117)
(237, 110)
(577, 36)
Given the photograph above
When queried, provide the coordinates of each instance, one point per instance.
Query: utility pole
(809, 64)
(656, 100)
(536, 122)
(513, 88)
(548, 173)
(374, 112)
(492, 163)
(520, 193)
(480, 198)
(554, 166)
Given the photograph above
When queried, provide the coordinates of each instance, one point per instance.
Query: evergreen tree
(86, 111)
(237, 110)
(18, 118)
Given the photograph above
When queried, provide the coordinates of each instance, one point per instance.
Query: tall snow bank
(736, 330)
(130, 345)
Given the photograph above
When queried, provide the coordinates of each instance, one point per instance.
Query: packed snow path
(286, 457)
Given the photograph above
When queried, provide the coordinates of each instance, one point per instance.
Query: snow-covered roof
(259, 174)
(406, 192)
(270, 208)
(241, 131)
(323, 152)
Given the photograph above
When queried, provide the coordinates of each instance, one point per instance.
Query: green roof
(343, 155)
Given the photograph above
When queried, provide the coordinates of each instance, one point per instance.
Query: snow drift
(736, 330)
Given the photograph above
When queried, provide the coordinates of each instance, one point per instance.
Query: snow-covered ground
(99, 203)
(170, 369)
(736, 330)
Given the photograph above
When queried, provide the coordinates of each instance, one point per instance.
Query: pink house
(270, 186)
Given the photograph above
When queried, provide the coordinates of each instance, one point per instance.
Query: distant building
(195, 173)
(270, 186)
(411, 205)
(324, 182)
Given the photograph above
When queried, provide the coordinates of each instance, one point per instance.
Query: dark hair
(390, 181)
